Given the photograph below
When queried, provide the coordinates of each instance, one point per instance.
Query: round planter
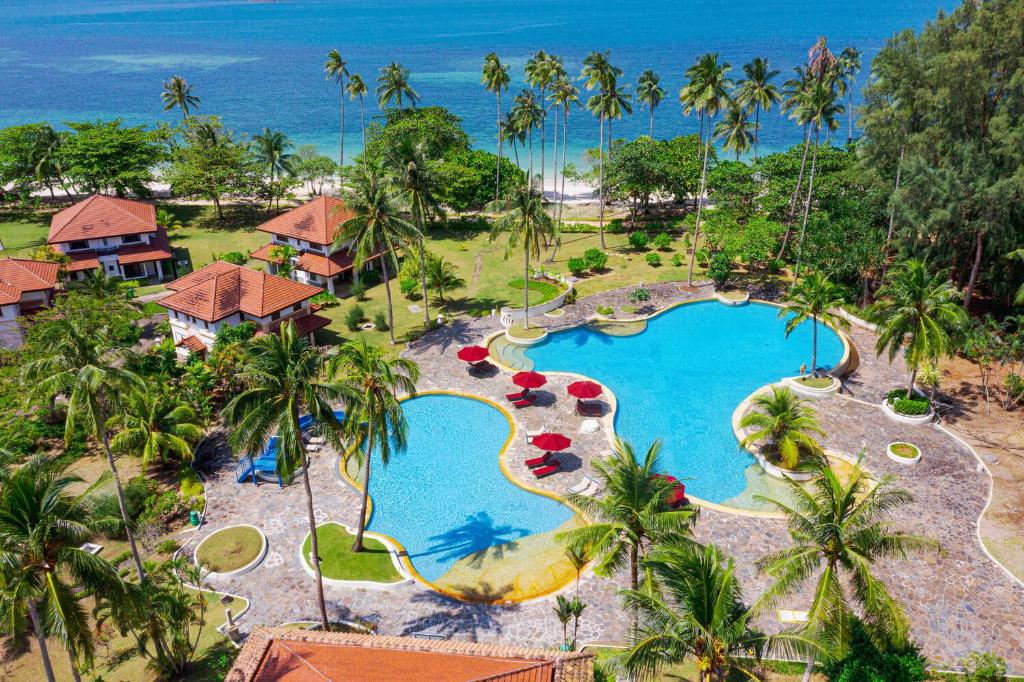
(805, 391)
(526, 342)
(906, 461)
(779, 472)
(368, 584)
(742, 300)
(238, 571)
(915, 420)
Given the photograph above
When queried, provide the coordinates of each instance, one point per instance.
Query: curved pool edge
(403, 554)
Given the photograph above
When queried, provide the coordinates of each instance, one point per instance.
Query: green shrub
(407, 285)
(325, 299)
(369, 278)
(570, 297)
(354, 317)
(984, 667)
(596, 259)
(189, 485)
(233, 257)
(161, 507)
(605, 310)
(662, 242)
(616, 226)
(677, 259)
(121, 558)
(380, 321)
(720, 268)
(775, 266)
(653, 259)
(639, 295)
(136, 493)
(168, 546)
(912, 407)
(239, 333)
(577, 266)
(638, 240)
(866, 663)
(579, 228)
(1014, 384)
(358, 289)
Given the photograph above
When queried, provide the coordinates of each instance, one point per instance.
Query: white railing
(510, 316)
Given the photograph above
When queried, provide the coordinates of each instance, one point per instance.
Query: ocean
(259, 64)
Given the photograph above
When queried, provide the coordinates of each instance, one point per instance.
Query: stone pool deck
(958, 600)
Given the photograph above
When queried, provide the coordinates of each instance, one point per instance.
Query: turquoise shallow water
(259, 63)
(682, 378)
(445, 497)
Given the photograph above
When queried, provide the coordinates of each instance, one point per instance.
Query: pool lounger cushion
(521, 395)
(537, 461)
(525, 402)
(555, 466)
(588, 409)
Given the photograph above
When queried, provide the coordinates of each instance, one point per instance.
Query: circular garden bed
(904, 453)
(339, 562)
(914, 410)
(233, 550)
(525, 336)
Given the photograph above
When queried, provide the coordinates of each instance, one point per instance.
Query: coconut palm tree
(283, 378)
(155, 426)
(813, 298)
(631, 511)
(822, 109)
(77, 363)
(97, 285)
(599, 73)
(336, 69)
(393, 85)
(756, 91)
(839, 529)
(735, 129)
(442, 277)
(541, 71)
(786, 425)
(649, 93)
(710, 87)
(563, 609)
(376, 228)
(178, 93)
(564, 94)
(795, 94)
(495, 78)
(371, 383)
(523, 217)
(528, 114)
(272, 149)
(47, 159)
(512, 132)
(356, 89)
(43, 525)
(168, 220)
(820, 59)
(917, 313)
(849, 64)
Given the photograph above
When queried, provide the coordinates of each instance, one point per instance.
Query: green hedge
(916, 406)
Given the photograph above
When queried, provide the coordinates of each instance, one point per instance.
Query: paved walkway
(958, 601)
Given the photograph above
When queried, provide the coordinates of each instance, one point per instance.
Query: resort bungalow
(222, 294)
(25, 287)
(118, 236)
(310, 229)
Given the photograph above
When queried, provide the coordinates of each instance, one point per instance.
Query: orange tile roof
(159, 248)
(316, 221)
(28, 275)
(83, 260)
(9, 293)
(102, 216)
(325, 266)
(307, 324)
(193, 344)
(221, 289)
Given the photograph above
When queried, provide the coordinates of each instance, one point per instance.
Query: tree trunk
(314, 546)
(634, 582)
(362, 128)
(600, 180)
(554, 162)
(561, 193)
(341, 140)
(543, 136)
(357, 546)
(700, 207)
(757, 128)
(809, 670)
(387, 293)
(75, 675)
(526, 281)
(37, 627)
(849, 117)
(423, 277)
(652, 122)
(700, 135)
(800, 177)
(220, 209)
(979, 239)
(497, 174)
(136, 558)
(910, 386)
(807, 204)
(529, 178)
(892, 213)
(814, 346)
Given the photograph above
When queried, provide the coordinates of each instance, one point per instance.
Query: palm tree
(528, 114)
(839, 530)
(178, 93)
(495, 78)
(78, 364)
(283, 378)
(47, 159)
(599, 73)
(814, 298)
(650, 93)
(564, 94)
(849, 66)
(282, 255)
(756, 91)
(917, 313)
(785, 423)
(820, 59)
(821, 111)
(155, 426)
(371, 383)
(43, 526)
(356, 89)
(735, 130)
(511, 131)
(336, 69)
(541, 71)
(376, 228)
(527, 223)
(97, 285)
(393, 85)
(272, 149)
(631, 511)
(710, 88)
(168, 220)
(794, 97)
(442, 277)
(563, 609)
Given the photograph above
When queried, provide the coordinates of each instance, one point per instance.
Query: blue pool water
(682, 378)
(445, 497)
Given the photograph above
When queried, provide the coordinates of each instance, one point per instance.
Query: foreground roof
(316, 222)
(18, 275)
(221, 289)
(102, 216)
(304, 656)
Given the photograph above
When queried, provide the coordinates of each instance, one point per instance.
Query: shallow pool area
(682, 377)
(447, 501)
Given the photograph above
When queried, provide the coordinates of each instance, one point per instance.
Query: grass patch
(150, 289)
(230, 549)
(734, 295)
(202, 235)
(816, 382)
(339, 562)
(21, 231)
(619, 328)
(545, 290)
(518, 331)
(905, 450)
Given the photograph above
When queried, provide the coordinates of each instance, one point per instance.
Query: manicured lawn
(203, 235)
(339, 562)
(545, 291)
(230, 549)
(22, 230)
(816, 382)
(521, 332)
(905, 450)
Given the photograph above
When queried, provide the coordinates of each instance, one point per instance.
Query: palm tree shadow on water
(474, 540)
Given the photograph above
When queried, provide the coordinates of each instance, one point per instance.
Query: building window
(281, 238)
(80, 245)
(275, 315)
(130, 239)
(134, 270)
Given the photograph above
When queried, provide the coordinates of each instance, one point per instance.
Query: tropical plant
(814, 298)
(495, 78)
(393, 86)
(97, 285)
(735, 130)
(371, 383)
(178, 93)
(649, 93)
(283, 378)
(155, 426)
(442, 277)
(917, 313)
(540, 72)
(839, 529)
(168, 220)
(272, 149)
(357, 89)
(848, 64)
(336, 69)
(527, 113)
(565, 94)
(786, 425)
(281, 255)
(756, 91)
(563, 609)
(599, 73)
(527, 223)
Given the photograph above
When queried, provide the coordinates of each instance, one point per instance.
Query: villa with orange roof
(311, 229)
(118, 236)
(25, 287)
(222, 294)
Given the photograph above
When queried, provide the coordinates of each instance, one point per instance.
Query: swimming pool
(681, 379)
(445, 499)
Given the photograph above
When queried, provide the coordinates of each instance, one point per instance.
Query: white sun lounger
(587, 485)
(531, 434)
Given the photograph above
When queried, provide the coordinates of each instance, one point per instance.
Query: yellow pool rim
(403, 555)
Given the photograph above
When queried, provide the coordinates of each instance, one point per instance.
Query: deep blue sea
(258, 64)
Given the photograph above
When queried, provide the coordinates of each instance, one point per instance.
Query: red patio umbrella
(529, 379)
(552, 442)
(473, 353)
(585, 390)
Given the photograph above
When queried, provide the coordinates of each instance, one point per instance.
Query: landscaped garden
(230, 549)
(339, 562)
